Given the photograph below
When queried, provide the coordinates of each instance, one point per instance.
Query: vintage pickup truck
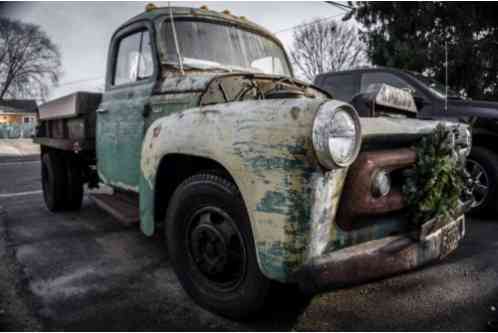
(253, 177)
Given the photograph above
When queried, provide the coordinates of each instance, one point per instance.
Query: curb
(14, 159)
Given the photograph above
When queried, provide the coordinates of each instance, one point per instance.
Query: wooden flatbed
(69, 123)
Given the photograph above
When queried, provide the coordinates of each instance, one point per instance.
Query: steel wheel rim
(480, 182)
(216, 249)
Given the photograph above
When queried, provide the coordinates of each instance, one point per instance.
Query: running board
(121, 206)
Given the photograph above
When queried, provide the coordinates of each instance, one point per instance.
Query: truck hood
(222, 87)
(482, 109)
(190, 82)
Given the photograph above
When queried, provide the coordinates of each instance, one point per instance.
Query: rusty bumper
(357, 199)
(379, 258)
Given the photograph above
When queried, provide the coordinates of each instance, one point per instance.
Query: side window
(378, 77)
(134, 58)
(146, 65)
(341, 87)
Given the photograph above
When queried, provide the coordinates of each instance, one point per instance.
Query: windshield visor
(213, 45)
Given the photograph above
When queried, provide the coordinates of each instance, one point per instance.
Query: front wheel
(211, 247)
(482, 165)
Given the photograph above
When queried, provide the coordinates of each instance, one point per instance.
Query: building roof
(18, 106)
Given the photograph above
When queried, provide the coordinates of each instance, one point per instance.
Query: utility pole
(446, 75)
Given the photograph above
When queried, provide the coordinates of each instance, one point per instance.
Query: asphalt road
(84, 271)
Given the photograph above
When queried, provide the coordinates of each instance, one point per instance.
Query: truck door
(121, 118)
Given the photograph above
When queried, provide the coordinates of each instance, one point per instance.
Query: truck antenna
(175, 38)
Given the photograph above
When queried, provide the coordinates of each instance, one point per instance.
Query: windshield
(213, 45)
(437, 87)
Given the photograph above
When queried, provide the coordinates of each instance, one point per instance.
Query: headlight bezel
(323, 130)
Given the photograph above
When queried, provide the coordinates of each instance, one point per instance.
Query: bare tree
(29, 61)
(323, 46)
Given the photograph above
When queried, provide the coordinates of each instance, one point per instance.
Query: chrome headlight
(336, 134)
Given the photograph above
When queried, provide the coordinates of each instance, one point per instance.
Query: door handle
(102, 110)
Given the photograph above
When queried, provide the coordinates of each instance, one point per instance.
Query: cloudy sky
(82, 30)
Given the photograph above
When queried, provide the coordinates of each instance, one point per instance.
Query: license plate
(449, 242)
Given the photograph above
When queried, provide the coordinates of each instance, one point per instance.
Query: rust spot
(295, 112)
(157, 131)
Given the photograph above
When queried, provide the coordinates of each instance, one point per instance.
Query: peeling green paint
(273, 202)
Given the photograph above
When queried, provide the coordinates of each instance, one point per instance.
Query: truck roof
(155, 13)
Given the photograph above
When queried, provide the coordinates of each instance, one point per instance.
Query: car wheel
(482, 165)
(211, 247)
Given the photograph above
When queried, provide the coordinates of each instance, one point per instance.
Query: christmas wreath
(434, 186)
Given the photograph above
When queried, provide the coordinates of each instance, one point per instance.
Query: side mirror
(420, 101)
(384, 99)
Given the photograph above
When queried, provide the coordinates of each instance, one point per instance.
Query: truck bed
(69, 122)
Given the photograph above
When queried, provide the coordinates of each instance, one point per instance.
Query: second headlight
(336, 134)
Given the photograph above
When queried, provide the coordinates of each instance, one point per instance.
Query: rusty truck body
(252, 176)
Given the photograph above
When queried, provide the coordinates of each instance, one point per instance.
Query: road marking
(9, 195)
(16, 163)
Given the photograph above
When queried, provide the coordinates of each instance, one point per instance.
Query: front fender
(266, 146)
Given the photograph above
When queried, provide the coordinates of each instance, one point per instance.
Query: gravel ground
(84, 271)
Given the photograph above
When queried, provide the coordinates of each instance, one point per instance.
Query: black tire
(54, 181)
(237, 289)
(487, 160)
(74, 188)
(62, 181)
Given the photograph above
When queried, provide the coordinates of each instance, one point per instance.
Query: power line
(339, 5)
(306, 24)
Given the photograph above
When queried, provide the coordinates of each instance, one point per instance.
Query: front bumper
(379, 258)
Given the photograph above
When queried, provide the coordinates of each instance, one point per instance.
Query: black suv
(430, 99)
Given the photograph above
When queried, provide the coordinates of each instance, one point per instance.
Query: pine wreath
(434, 186)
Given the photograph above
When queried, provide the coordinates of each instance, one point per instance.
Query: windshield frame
(161, 40)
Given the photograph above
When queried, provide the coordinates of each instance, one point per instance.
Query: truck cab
(251, 175)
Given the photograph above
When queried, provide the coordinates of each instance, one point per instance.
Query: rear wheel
(482, 165)
(62, 181)
(74, 187)
(211, 247)
(54, 181)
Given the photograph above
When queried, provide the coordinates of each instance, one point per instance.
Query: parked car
(206, 137)
(431, 103)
